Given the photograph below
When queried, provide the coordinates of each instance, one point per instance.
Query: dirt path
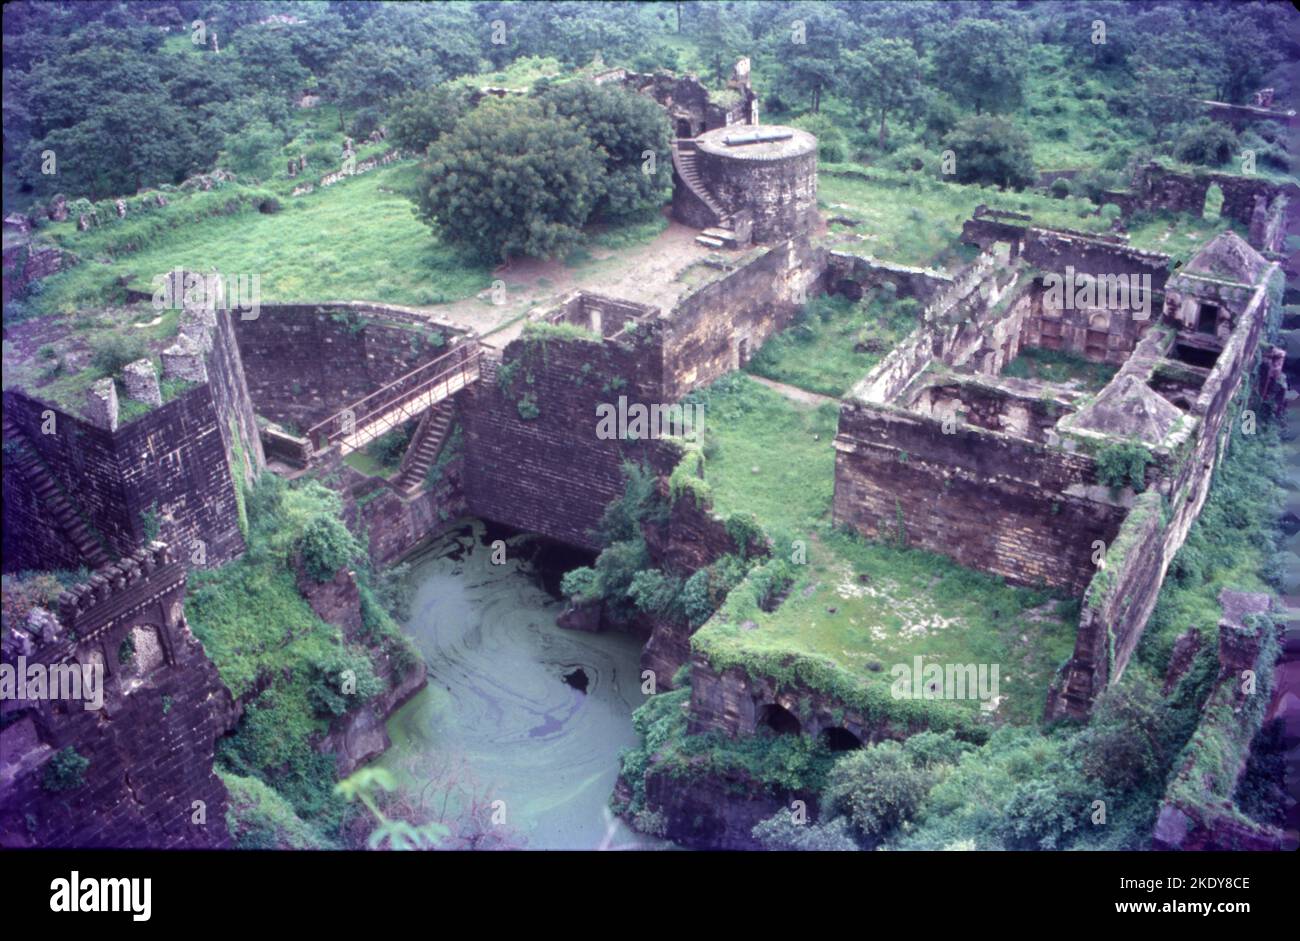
(646, 274)
(794, 393)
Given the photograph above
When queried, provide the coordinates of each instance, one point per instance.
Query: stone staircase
(426, 444)
(20, 454)
(719, 235)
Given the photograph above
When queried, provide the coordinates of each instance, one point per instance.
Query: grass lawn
(834, 342)
(357, 239)
(1061, 367)
(771, 457)
(916, 220)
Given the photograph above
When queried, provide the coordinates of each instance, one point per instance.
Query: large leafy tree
(990, 149)
(623, 126)
(511, 179)
(810, 49)
(981, 64)
(883, 76)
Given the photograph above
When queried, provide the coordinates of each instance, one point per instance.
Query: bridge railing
(458, 365)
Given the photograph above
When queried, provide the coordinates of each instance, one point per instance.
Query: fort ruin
(1005, 475)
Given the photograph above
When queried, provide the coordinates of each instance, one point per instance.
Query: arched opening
(684, 128)
(838, 738)
(1213, 202)
(780, 720)
(1208, 319)
(141, 651)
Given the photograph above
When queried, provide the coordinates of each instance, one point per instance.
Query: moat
(504, 716)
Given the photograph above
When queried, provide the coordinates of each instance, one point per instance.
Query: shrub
(1120, 465)
(877, 788)
(66, 771)
(115, 352)
(339, 680)
(326, 547)
(1206, 142)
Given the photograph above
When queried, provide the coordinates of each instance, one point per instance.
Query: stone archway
(837, 738)
(1212, 207)
(779, 719)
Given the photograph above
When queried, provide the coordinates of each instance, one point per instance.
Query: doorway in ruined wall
(1213, 206)
(779, 719)
(741, 356)
(1207, 320)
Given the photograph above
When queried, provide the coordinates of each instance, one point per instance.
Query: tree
(623, 126)
(810, 49)
(511, 179)
(884, 75)
(420, 117)
(981, 64)
(990, 150)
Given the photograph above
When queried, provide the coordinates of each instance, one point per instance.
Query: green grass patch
(355, 240)
(1061, 367)
(834, 341)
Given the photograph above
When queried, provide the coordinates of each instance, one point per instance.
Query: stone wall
(1120, 599)
(1160, 188)
(548, 473)
(149, 781)
(720, 325)
(854, 275)
(175, 467)
(989, 500)
(305, 362)
(171, 466)
(1198, 812)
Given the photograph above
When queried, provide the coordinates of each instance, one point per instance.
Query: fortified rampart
(172, 473)
(146, 778)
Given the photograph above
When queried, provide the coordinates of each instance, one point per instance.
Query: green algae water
(522, 719)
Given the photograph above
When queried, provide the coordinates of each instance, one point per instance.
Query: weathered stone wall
(149, 781)
(717, 327)
(171, 464)
(853, 275)
(550, 474)
(1197, 812)
(778, 192)
(1120, 600)
(989, 500)
(1156, 187)
(732, 702)
(392, 525)
(304, 362)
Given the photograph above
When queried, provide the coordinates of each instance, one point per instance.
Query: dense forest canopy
(132, 95)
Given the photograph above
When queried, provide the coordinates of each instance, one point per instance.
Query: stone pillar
(101, 404)
(141, 381)
(184, 360)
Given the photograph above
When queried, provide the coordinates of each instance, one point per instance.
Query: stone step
(710, 242)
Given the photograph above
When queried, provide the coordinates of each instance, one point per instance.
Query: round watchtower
(766, 173)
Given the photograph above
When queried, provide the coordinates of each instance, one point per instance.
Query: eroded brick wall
(729, 318)
(991, 502)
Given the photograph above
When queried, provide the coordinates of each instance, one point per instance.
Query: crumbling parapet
(1198, 812)
(144, 718)
(141, 381)
(184, 360)
(101, 405)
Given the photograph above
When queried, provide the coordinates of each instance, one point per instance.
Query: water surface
(500, 721)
